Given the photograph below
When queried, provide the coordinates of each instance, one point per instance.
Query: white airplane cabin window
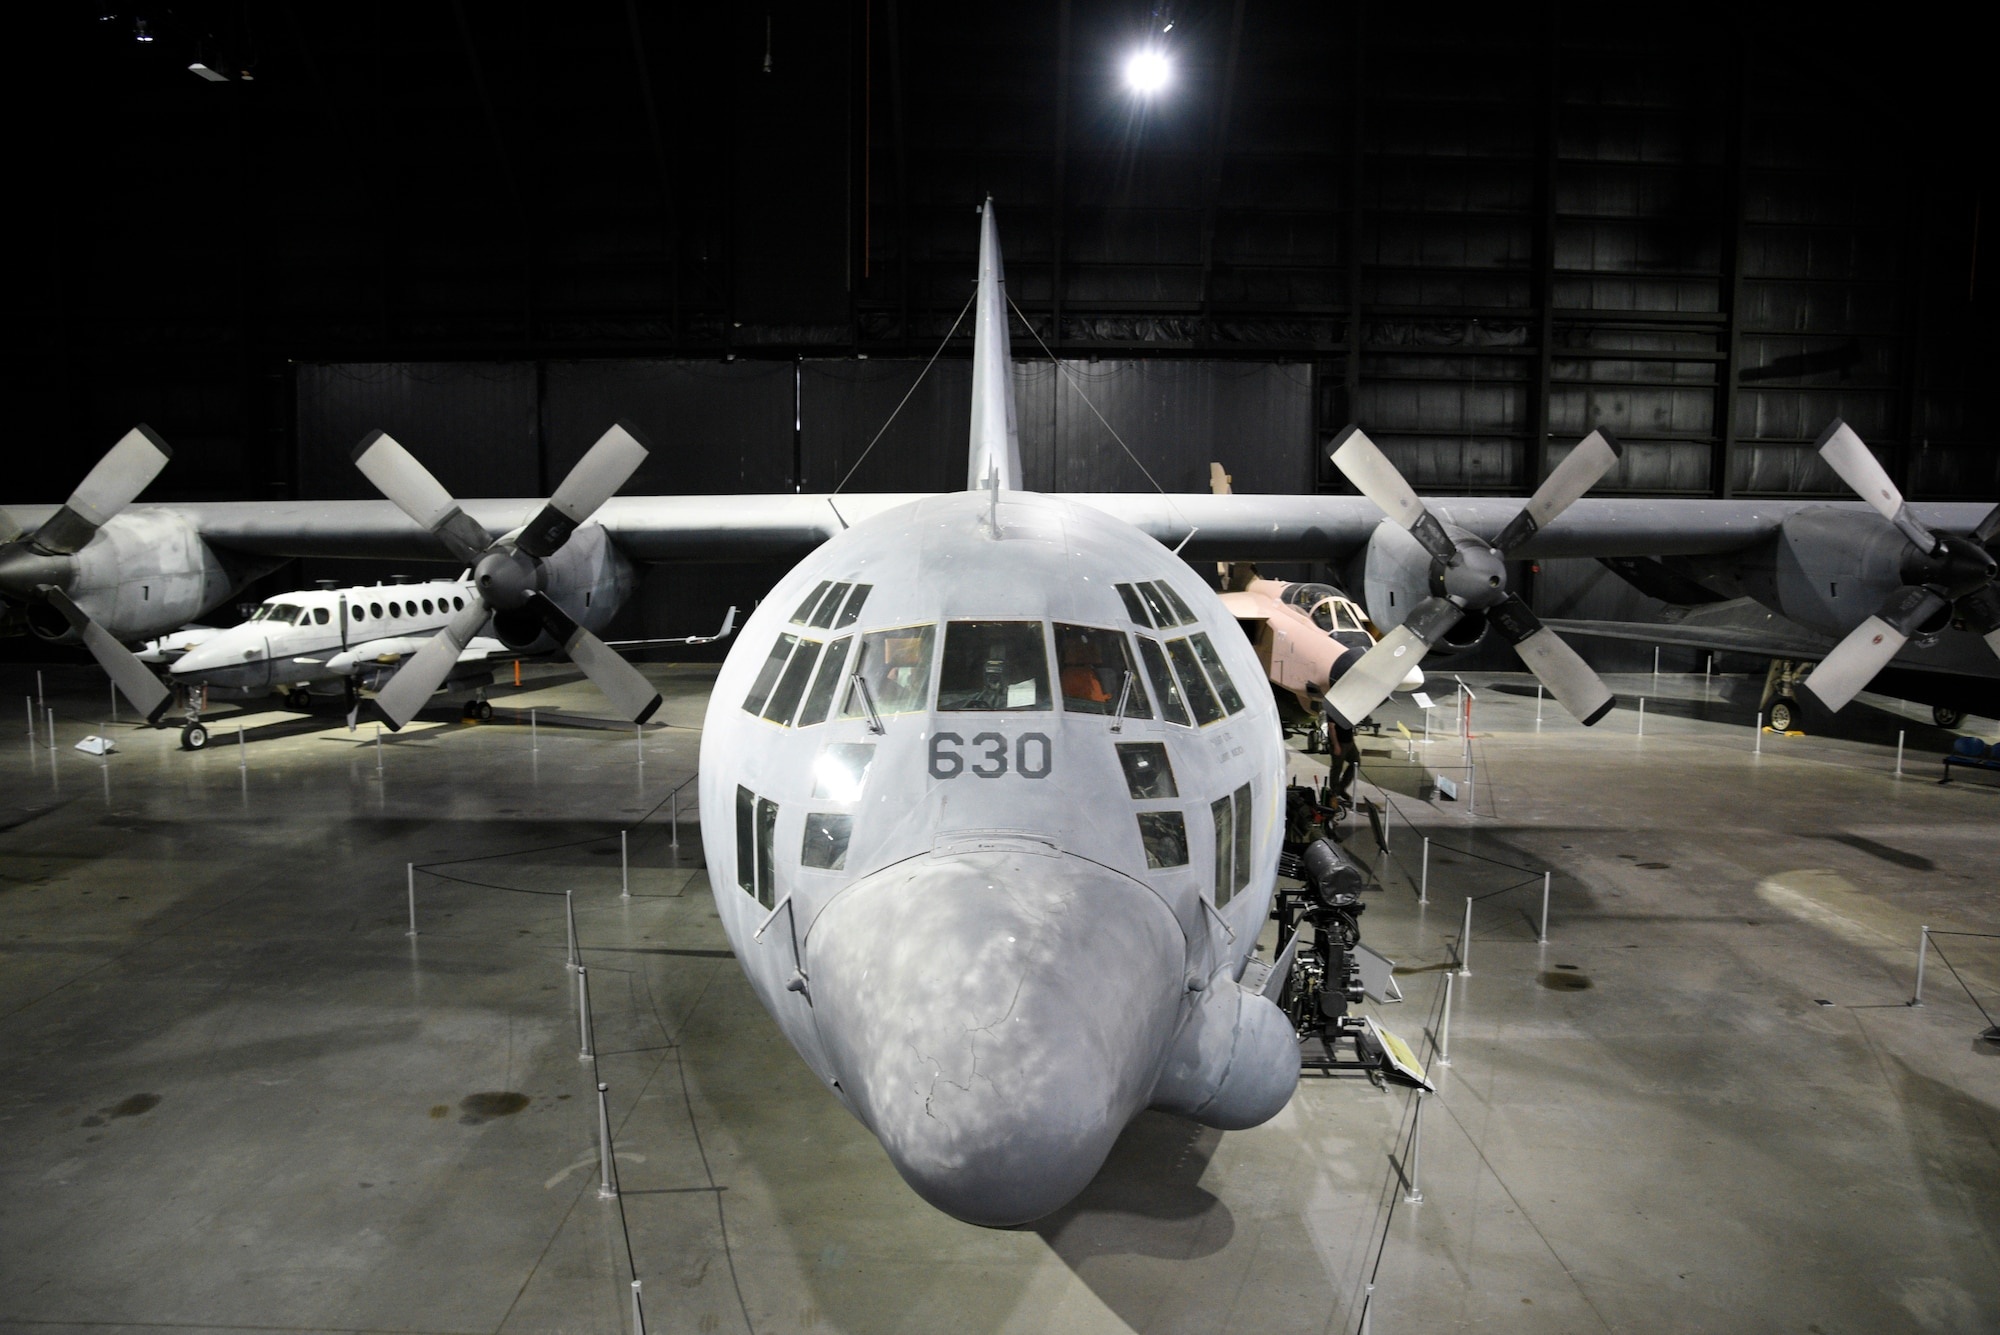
(1223, 810)
(746, 841)
(427, 607)
(320, 615)
(820, 698)
(375, 610)
(1171, 707)
(357, 613)
(852, 611)
(1164, 834)
(1092, 667)
(396, 610)
(1204, 649)
(458, 604)
(841, 770)
(994, 666)
(785, 697)
(1181, 609)
(812, 601)
(767, 676)
(767, 866)
(1200, 696)
(1135, 607)
(1149, 775)
(825, 847)
(823, 614)
(1242, 881)
(1163, 615)
(896, 667)
(411, 606)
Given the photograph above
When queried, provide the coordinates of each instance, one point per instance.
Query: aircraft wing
(1202, 527)
(1739, 626)
(1246, 608)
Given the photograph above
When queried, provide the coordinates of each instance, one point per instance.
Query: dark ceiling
(1482, 227)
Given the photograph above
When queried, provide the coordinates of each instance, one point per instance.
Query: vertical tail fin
(996, 439)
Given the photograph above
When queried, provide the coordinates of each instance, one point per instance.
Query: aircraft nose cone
(996, 1019)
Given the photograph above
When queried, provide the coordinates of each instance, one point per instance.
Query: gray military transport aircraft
(913, 757)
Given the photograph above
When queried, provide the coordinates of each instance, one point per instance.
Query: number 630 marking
(1032, 755)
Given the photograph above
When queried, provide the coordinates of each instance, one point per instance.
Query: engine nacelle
(1831, 569)
(1235, 1062)
(142, 575)
(1393, 572)
(588, 577)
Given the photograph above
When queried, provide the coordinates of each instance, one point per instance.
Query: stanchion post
(31, 718)
(1465, 942)
(1415, 1195)
(1758, 749)
(1656, 663)
(1424, 880)
(378, 748)
(1923, 949)
(242, 752)
(569, 916)
(1368, 1311)
(1444, 1026)
(638, 1312)
(40, 698)
(114, 702)
(624, 867)
(607, 1186)
(1544, 937)
(674, 819)
(1642, 716)
(1538, 704)
(1471, 787)
(1900, 734)
(410, 882)
(639, 742)
(534, 731)
(50, 714)
(583, 1014)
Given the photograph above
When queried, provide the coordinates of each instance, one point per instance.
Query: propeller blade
(1578, 472)
(398, 476)
(1361, 689)
(607, 466)
(1559, 667)
(1376, 478)
(1848, 455)
(417, 680)
(1842, 674)
(133, 678)
(123, 472)
(1989, 528)
(624, 685)
(1980, 610)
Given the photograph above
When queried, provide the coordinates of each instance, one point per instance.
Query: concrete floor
(234, 1094)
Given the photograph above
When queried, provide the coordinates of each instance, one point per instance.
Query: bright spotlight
(1148, 71)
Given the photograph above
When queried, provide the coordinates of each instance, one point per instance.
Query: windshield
(992, 665)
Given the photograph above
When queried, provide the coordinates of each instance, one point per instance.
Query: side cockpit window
(1201, 697)
(1093, 667)
(1171, 706)
(1204, 649)
(994, 665)
(894, 667)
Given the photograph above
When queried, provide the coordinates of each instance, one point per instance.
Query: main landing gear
(1780, 704)
(1326, 977)
(479, 708)
(194, 733)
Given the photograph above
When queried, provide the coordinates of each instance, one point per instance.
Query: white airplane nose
(996, 1019)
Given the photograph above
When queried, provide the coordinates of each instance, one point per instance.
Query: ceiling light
(1147, 71)
(139, 32)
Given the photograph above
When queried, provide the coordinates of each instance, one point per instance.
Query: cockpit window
(823, 614)
(289, 613)
(820, 698)
(812, 600)
(895, 665)
(767, 676)
(1149, 775)
(1163, 682)
(994, 665)
(1093, 666)
(1163, 615)
(785, 695)
(841, 769)
(1322, 615)
(827, 833)
(850, 613)
(1200, 696)
(1204, 649)
(1135, 606)
(1181, 608)
(1164, 834)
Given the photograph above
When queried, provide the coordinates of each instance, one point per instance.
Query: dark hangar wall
(1478, 232)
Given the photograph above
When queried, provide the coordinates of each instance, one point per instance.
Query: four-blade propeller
(509, 574)
(1942, 573)
(41, 566)
(1468, 577)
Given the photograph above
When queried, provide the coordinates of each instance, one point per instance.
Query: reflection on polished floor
(234, 1094)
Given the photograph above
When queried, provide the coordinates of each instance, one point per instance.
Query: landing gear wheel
(1782, 714)
(299, 700)
(1946, 717)
(193, 737)
(481, 710)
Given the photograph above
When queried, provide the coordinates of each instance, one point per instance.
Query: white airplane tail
(995, 459)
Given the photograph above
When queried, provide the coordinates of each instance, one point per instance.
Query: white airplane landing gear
(1780, 704)
(194, 733)
(479, 708)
